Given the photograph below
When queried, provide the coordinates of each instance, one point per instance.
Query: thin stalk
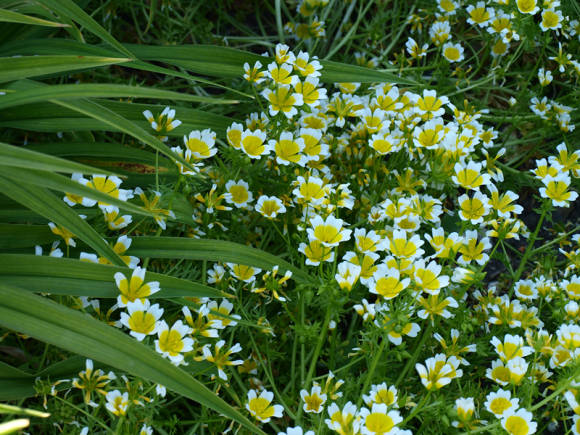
(372, 369)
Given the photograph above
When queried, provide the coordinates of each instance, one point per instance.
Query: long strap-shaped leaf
(212, 250)
(69, 9)
(73, 91)
(15, 68)
(58, 182)
(80, 278)
(20, 157)
(71, 330)
(43, 202)
(97, 111)
(7, 16)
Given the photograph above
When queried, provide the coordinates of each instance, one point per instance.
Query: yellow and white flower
(221, 358)
(141, 318)
(173, 343)
(379, 421)
(288, 149)
(518, 422)
(253, 143)
(428, 277)
(329, 231)
(438, 371)
(314, 400)
(347, 274)
(282, 99)
(260, 406)
(556, 189)
(501, 401)
(474, 208)
(282, 74)
(135, 287)
(117, 403)
(201, 143)
(387, 282)
(238, 193)
(453, 52)
(270, 206)
(469, 175)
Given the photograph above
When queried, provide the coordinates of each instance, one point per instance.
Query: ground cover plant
(289, 217)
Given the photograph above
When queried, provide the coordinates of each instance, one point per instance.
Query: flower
(108, 185)
(551, 19)
(545, 77)
(238, 193)
(402, 247)
(518, 422)
(282, 99)
(438, 371)
(348, 273)
(382, 394)
(527, 6)
(117, 403)
(479, 14)
(313, 400)
(164, 122)
(244, 273)
(288, 149)
(172, 342)
(328, 231)
(556, 189)
(67, 236)
(270, 206)
(306, 67)
(296, 431)
(511, 347)
(378, 421)
(91, 381)
(453, 52)
(311, 93)
(414, 50)
(387, 282)
(473, 208)
(141, 318)
(135, 287)
(282, 74)
(500, 401)
(253, 74)
(260, 406)
(201, 143)
(428, 278)
(343, 421)
(469, 176)
(221, 358)
(316, 252)
(252, 143)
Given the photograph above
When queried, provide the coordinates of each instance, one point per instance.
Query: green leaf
(65, 276)
(212, 250)
(66, 185)
(15, 236)
(7, 16)
(336, 72)
(15, 68)
(43, 202)
(68, 9)
(19, 157)
(73, 91)
(49, 117)
(76, 332)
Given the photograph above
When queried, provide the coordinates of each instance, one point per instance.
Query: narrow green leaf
(69, 9)
(15, 68)
(336, 72)
(212, 250)
(16, 236)
(73, 91)
(49, 117)
(71, 330)
(65, 276)
(101, 150)
(7, 16)
(66, 185)
(20, 157)
(43, 202)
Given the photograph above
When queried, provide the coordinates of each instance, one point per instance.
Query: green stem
(372, 369)
(413, 359)
(531, 241)
(317, 350)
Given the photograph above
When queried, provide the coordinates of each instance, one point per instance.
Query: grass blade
(15, 68)
(69, 9)
(212, 250)
(7, 16)
(19, 157)
(63, 184)
(74, 91)
(71, 330)
(43, 202)
(65, 276)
